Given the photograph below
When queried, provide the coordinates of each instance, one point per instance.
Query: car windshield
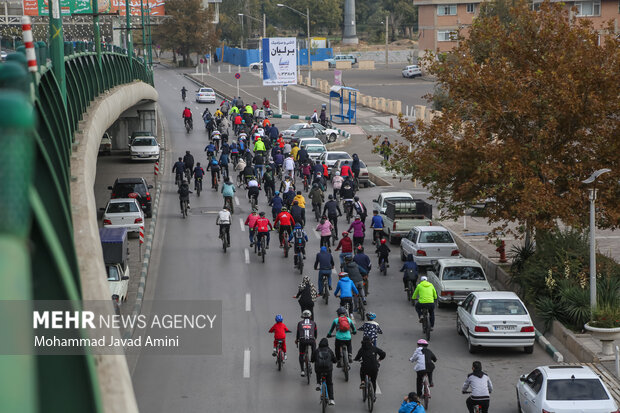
(333, 156)
(311, 141)
(296, 126)
(113, 274)
(500, 307)
(318, 126)
(436, 237)
(122, 207)
(206, 90)
(315, 149)
(144, 142)
(462, 273)
(122, 190)
(362, 164)
(576, 389)
(304, 132)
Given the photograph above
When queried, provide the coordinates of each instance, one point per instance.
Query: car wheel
(470, 347)
(519, 409)
(390, 239)
(528, 349)
(459, 328)
(332, 137)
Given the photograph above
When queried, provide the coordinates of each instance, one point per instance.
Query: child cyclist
(279, 330)
(371, 328)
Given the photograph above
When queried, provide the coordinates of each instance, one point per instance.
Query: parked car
(133, 187)
(206, 95)
(310, 133)
(123, 213)
(144, 148)
(115, 257)
(331, 157)
(412, 71)
(3, 55)
(256, 66)
(332, 134)
(303, 142)
(454, 279)
(401, 216)
(314, 151)
(564, 389)
(429, 243)
(105, 147)
(289, 133)
(363, 176)
(341, 58)
(495, 319)
(380, 204)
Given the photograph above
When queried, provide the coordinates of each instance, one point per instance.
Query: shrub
(606, 317)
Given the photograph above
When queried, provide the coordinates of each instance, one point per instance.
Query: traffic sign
(237, 76)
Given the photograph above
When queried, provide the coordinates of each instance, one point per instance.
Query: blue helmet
(371, 316)
(214, 162)
(279, 318)
(323, 248)
(277, 192)
(298, 226)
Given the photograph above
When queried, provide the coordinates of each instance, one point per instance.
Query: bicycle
(198, 185)
(426, 324)
(477, 407)
(361, 307)
(260, 247)
(382, 266)
(324, 394)
(240, 180)
(377, 234)
(188, 125)
(188, 175)
(178, 179)
(317, 212)
(225, 236)
(305, 183)
(268, 192)
(344, 356)
(253, 201)
(348, 208)
(299, 264)
(307, 365)
(409, 290)
(325, 292)
(184, 208)
(228, 203)
(279, 354)
(426, 391)
(215, 183)
(368, 393)
(285, 243)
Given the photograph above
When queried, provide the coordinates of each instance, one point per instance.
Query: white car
(455, 278)
(303, 142)
(314, 151)
(495, 319)
(123, 213)
(256, 66)
(144, 148)
(429, 243)
(3, 55)
(118, 281)
(412, 71)
(563, 389)
(330, 158)
(206, 95)
(331, 134)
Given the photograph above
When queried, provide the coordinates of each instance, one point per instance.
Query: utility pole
(57, 48)
(386, 39)
(242, 30)
(308, 46)
(264, 26)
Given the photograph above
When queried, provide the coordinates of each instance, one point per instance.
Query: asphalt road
(189, 264)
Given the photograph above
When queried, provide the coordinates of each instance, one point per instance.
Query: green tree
(526, 122)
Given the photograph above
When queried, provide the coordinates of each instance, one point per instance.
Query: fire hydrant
(502, 252)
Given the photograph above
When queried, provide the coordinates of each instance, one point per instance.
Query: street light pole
(242, 30)
(386, 40)
(592, 197)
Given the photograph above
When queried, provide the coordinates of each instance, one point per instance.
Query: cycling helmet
(323, 248)
(343, 274)
(345, 234)
(262, 214)
(337, 173)
(370, 316)
(422, 342)
(306, 314)
(297, 226)
(279, 318)
(360, 248)
(341, 311)
(277, 192)
(254, 210)
(284, 209)
(424, 278)
(383, 241)
(214, 162)
(356, 198)
(348, 258)
(330, 196)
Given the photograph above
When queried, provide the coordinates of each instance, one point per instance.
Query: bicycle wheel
(325, 290)
(370, 398)
(324, 397)
(308, 368)
(426, 396)
(280, 359)
(361, 308)
(263, 248)
(345, 363)
(426, 326)
(317, 213)
(300, 262)
(198, 186)
(365, 389)
(224, 243)
(286, 245)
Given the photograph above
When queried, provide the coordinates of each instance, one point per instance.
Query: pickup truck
(428, 243)
(380, 204)
(341, 58)
(454, 279)
(115, 257)
(402, 215)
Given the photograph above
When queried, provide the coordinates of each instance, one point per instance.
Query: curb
(548, 347)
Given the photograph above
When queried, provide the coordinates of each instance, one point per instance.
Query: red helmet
(345, 233)
(383, 240)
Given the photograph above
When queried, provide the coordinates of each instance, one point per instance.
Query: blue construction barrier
(243, 57)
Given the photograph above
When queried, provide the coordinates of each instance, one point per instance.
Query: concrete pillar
(382, 104)
(375, 103)
(420, 112)
(398, 107)
(349, 35)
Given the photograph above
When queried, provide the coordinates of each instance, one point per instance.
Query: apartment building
(439, 20)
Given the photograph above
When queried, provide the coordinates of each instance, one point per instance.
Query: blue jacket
(234, 148)
(273, 132)
(377, 222)
(324, 261)
(346, 288)
(179, 167)
(363, 261)
(276, 202)
(278, 159)
(224, 159)
(210, 148)
(411, 407)
(289, 196)
(228, 190)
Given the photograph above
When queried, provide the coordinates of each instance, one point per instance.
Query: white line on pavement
(247, 255)
(246, 363)
(248, 302)
(241, 224)
(378, 388)
(236, 201)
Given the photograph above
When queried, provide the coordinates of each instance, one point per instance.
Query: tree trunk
(174, 56)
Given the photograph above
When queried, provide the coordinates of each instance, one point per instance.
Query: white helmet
(337, 173)
(424, 278)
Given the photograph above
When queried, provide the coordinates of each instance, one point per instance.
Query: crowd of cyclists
(246, 152)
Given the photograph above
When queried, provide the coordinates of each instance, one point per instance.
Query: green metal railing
(37, 253)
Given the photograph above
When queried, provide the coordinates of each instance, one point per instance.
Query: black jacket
(368, 355)
(331, 208)
(305, 296)
(323, 347)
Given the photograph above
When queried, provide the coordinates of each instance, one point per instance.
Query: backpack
(299, 236)
(184, 191)
(323, 360)
(343, 324)
(410, 274)
(262, 225)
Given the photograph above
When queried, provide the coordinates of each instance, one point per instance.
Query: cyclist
(184, 192)
(317, 197)
(324, 262)
(183, 93)
(481, 388)
(353, 270)
(320, 181)
(424, 359)
(337, 181)
(289, 196)
(197, 174)
(371, 328)
(276, 205)
(228, 192)
(300, 239)
(262, 227)
(360, 208)
(345, 170)
(344, 328)
(427, 296)
(210, 149)
(314, 118)
(323, 116)
(304, 157)
(332, 210)
(377, 226)
(224, 164)
(215, 172)
(294, 151)
(188, 160)
(234, 152)
(306, 170)
(306, 295)
(289, 165)
(223, 220)
(278, 160)
(358, 228)
(325, 228)
(346, 194)
(324, 359)
(248, 171)
(250, 221)
(370, 365)
(286, 185)
(297, 213)
(346, 288)
(187, 117)
(253, 189)
(384, 253)
(363, 264)
(410, 271)
(179, 169)
(279, 330)
(347, 247)
(286, 222)
(259, 146)
(325, 170)
(306, 337)
(216, 136)
(302, 204)
(269, 180)
(411, 404)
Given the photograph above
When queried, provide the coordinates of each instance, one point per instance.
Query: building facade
(440, 20)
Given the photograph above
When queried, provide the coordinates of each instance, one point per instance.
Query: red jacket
(325, 171)
(187, 113)
(251, 220)
(346, 244)
(238, 120)
(346, 171)
(279, 330)
(262, 225)
(284, 218)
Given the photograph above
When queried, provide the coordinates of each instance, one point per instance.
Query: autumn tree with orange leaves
(533, 109)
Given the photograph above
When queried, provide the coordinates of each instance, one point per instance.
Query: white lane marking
(241, 224)
(247, 255)
(246, 363)
(236, 200)
(378, 388)
(248, 302)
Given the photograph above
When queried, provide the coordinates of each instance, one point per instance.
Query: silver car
(363, 178)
